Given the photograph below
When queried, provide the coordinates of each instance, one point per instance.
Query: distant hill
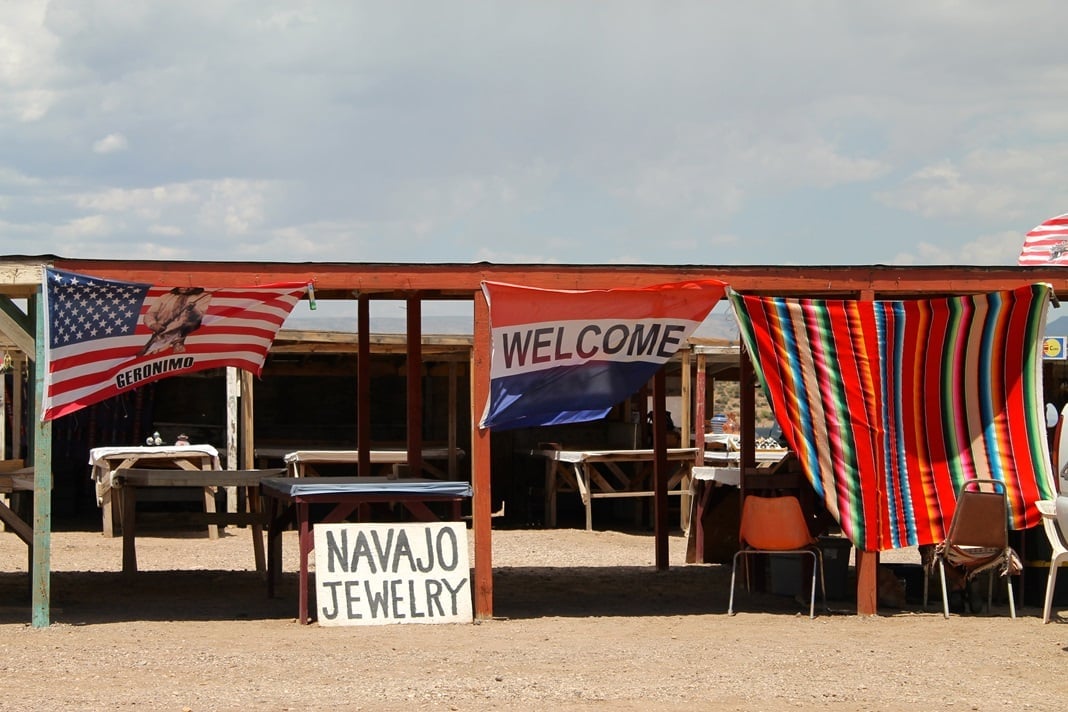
(440, 325)
(716, 326)
(1057, 327)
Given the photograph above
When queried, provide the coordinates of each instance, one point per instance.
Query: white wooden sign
(373, 574)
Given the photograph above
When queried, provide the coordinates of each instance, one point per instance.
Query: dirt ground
(582, 621)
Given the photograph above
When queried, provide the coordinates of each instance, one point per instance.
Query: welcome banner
(569, 356)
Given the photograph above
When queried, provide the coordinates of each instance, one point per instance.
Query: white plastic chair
(1059, 545)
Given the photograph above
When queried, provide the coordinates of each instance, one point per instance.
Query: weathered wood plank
(15, 325)
(193, 478)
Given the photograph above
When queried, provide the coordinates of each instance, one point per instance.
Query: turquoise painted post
(41, 575)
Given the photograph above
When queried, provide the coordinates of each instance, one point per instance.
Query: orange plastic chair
(776, 525)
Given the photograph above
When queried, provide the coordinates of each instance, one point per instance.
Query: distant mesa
(716, 326)
(1057, 327)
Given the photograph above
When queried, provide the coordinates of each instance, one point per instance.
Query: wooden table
(131, 480)
(301, 463)
(290, 500)
(600, 474)
(12, 481)
(106, 460)
(722, 468)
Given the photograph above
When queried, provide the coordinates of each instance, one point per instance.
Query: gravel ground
(582, 621)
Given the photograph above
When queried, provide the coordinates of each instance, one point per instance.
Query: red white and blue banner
(1046, 244)
(104, 337)
(569, 356)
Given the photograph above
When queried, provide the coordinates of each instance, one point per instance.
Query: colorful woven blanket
(891, 405)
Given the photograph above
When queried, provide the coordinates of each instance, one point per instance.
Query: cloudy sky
(848, 132)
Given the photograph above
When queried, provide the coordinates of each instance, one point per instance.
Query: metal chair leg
(1051, 583)
(945, 596)
(1012, 603)
(812, 596)
(734, 570)
(990, 592)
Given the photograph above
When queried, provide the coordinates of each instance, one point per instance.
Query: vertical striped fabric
(891, 405)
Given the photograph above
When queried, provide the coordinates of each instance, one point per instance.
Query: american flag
(105, 337)
(1046, 244)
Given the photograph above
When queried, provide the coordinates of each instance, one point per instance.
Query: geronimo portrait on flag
(569, 356)
(104, 337)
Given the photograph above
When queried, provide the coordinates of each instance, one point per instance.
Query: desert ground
(582, 621)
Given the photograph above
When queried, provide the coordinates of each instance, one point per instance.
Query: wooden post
(415, 386)
(700, 407)
(481, 508)
(41, 576)
(686, 398)
(3, 416)
(233, 389)
(747, 413)
(363, 386)
(18, 410)
(867, 562)
(867, 582)
(660, 473)
(454, 385)
(247, 429)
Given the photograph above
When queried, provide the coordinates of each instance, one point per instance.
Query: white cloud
(111, 143)
(28, 67)
(997, 249)
(86, 227)
(537, 132)
(233, 206)
(165, 230)
(995, 184)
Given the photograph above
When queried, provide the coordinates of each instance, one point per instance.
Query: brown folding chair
(776, 525)
(978, 540)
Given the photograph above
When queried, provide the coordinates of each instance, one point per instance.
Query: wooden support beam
(338, 280)
(415, 385)
(700, 406)
(4, 418)
(41, 556)
(17, 327)
(481, 506)
(660, 471)
(18, 411)
(689, 432)
(247, 458)
(363, 386)
(867, 567)
(454, 387)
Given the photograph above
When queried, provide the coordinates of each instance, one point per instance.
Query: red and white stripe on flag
(104, 337)
(1046, 244)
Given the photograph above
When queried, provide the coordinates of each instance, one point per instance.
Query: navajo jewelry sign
(374, 574)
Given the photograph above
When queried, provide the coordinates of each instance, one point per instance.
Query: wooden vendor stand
(105, 461)
(131, 480)
(290, 500)
(302, 463)
(599, 474)
(16, 480)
